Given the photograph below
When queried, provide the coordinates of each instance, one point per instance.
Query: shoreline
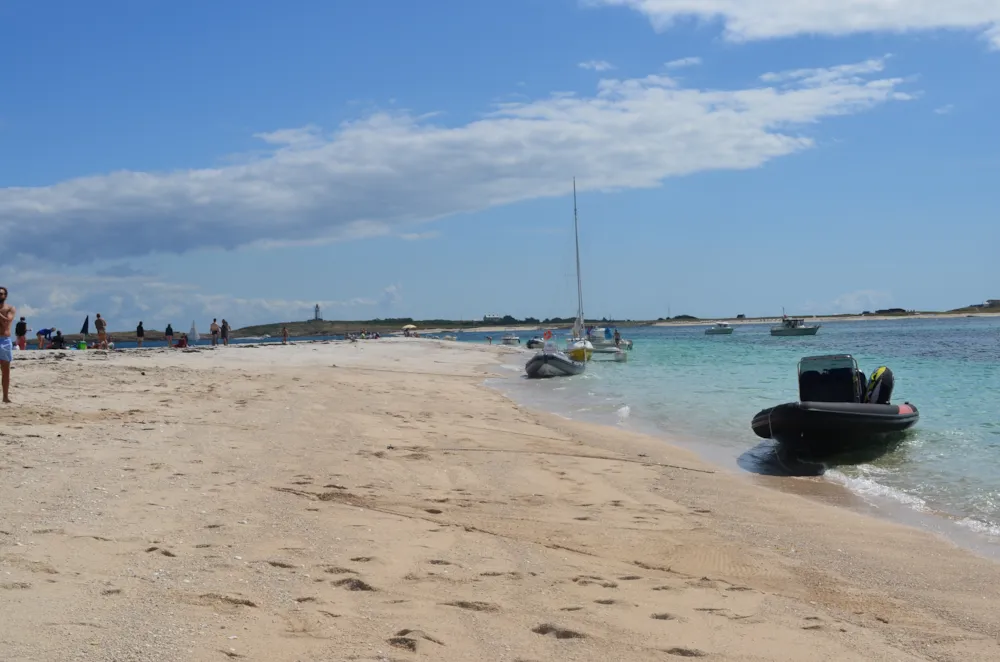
(329, 500)
(825, 488)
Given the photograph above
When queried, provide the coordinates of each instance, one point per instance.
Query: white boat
(604, 337)
(793, 326)
(719, 329)
(193, 333)
(510, 339)
(578, 347)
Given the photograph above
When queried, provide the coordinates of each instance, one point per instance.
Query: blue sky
(170, 161)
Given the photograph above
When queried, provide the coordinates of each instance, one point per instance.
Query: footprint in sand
(412, 640)
(547, 629)
(280, 564)
(473, 606)
(354, 584)
(684, 652)
(588, 580)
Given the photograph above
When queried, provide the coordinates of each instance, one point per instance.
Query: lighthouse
(316, 315)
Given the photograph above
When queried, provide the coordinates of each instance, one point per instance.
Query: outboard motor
(880, 385)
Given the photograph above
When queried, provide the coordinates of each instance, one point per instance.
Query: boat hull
(552, 364)
(580, 351)
(828, 428)
(797, 331)
(718, 332)
(535, 343)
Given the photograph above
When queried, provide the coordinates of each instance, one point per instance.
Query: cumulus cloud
(851, 302)
(683, 62)
(596, 65)
(65, 299)
(748, 20)
(380, 174)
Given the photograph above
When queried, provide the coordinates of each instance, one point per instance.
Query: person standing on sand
(169, 335)
(101, 325)
(7, 313)
(284, 335)
(140, 334)
(215, 332)
(43, 335)
(225, 332)
(21, 331)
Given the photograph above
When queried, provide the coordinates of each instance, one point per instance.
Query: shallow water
(707, 388)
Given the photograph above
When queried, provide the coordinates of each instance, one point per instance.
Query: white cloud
(65, 299)
(853, 302)
(683, 62)
(378, 175)
(418, 236)
(748, 20)
(596, 65)
(944, 110)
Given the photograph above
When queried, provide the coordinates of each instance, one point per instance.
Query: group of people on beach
(12, 335)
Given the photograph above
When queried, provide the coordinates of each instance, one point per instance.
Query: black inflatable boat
(552, 364)
(838, 411)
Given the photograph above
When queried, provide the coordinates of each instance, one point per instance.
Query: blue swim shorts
(6, 349)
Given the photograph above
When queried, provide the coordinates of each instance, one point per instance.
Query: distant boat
(793, 326)
(193, 333)
(604, 337)
(510, 339)
(719, 329)
(536, 342)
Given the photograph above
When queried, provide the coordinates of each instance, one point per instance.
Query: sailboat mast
(579, 283)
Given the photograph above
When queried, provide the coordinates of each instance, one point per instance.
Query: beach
(376, 501)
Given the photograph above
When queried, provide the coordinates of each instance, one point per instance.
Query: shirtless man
(101, 325)
(7, 314)
(215, 332)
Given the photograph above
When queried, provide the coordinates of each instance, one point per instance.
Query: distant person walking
(140, 334)
(21, 331)
(169, 335)
(7, 313)
(101, 325)
(225, 332)
(215, 332)
(284, 335)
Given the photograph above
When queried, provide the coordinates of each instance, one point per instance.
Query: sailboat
(193, 334)
(578, 347)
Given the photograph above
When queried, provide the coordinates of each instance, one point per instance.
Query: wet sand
(373, 501)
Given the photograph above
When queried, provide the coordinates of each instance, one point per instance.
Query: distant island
(319, 327)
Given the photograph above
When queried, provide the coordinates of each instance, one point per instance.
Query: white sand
(371, 501)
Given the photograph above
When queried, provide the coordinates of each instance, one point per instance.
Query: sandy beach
(374, 501)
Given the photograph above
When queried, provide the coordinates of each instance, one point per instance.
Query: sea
(702, 391)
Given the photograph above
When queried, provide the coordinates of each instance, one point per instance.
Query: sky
(184, 160)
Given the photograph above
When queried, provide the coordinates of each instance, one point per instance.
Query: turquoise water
(707, 388)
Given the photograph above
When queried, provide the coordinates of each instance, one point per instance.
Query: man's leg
(5, 371)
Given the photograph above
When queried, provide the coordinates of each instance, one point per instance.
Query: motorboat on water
(550, 362)
(510, 339)
(603, 337)
(537, 342)
(794, 326)
(719, 329)
(838, 410)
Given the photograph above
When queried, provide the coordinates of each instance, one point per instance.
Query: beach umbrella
(409, 327)
(86, 326)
